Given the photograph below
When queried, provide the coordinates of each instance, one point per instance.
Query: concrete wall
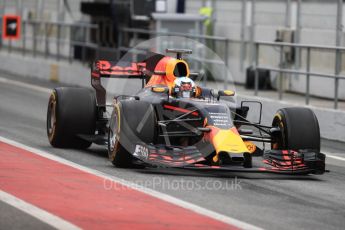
(45, 69)
(332, 122)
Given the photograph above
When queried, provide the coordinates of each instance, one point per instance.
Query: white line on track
(25, 85)
(159, 195)
(36, 212)
(335, 157)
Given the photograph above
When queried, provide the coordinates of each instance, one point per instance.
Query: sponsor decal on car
(220, 119)
(141, 152)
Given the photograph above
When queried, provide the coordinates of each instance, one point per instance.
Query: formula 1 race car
(172, 122)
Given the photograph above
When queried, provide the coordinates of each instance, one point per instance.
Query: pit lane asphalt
(266, 200)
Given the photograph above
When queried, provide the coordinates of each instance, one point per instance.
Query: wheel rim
(51, 121)
(113, 141)
(280, 140)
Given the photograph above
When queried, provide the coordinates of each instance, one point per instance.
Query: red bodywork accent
(95, 75)
(161, 79)
(180, 110)
(290, 162)
(110, 69)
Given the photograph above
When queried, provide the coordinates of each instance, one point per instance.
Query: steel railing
(307, 72)
(84, 43)
(38, 37)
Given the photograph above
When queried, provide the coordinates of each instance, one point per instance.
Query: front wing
(274, 161)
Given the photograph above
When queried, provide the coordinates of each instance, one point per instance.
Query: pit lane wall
(332, 122)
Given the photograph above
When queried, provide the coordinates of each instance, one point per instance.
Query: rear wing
(109, 69)
(122, 70)
(133, 70)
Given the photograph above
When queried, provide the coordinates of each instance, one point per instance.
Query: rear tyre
(71, 111)
(132, 122)
(299, 129)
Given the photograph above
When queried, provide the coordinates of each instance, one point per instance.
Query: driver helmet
(184, 87)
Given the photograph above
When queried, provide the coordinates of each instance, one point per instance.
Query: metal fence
(73, 42)
(290, 72)
(67, 41)
(283, 71)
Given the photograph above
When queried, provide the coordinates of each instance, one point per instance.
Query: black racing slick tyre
(299, 129)
(131, 122)
(71, 111)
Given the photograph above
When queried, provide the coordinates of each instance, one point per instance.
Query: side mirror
(225, 93)
(254, 112)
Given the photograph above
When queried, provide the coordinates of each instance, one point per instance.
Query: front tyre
(132, 122)
(118, 155)
(299, 129)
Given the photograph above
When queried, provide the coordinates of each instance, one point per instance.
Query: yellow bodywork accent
(228, 141)
(158, 89)
(229, 92)
(171, 66)
(250, 146)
